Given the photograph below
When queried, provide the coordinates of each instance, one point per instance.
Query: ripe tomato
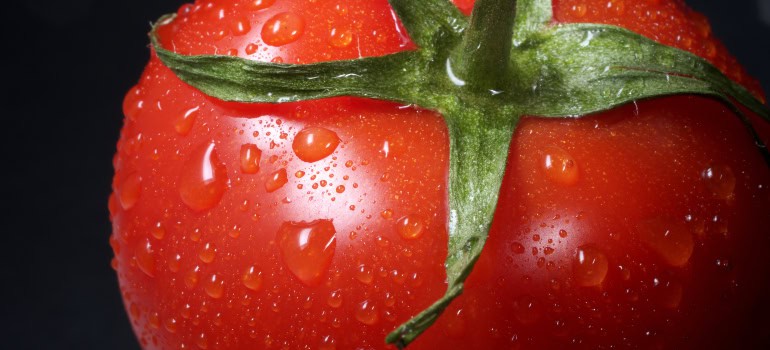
(323, 224)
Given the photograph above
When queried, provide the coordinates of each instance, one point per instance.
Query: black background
(65, 68)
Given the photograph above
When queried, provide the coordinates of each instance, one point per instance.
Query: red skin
(639, 168)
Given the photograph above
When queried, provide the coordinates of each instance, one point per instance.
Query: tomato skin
(200, 242)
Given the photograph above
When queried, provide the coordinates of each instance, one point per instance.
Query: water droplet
(668, 293)
(517, 248)
(386, 214)
(314, 143)
(669, 238)
(590, 266)
(261, 4)
(560, 167)
(158, 231)
(282, 29)
(207, 253)
(720, 180)
(252, 278)
(276, 180)
(340, 37)
(335, 299)
(191, 277)
(563, 233)
(214, 286)
(526, 309)
(202, 341)
(366, 312)
(299, 174)
(250, 157)
(170, 324)
(145, 257)
(307, 249)
(186, 121)
(154, 320)
(240, 27)
(204, 179)
(130, 191)
(327, 343)
(410, 227)
(364, 274)
(340, 189)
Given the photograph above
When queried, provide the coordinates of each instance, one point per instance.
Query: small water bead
(251, 49)
(276, 180)
(366, 312)
(340, 189)
(191, 277)
(153, 319)
(299, 174)
(130, 191)
(204, 179)
(240, 27)
(170, 324)
(590, 266)
(307, 249)
(283, 28)
(335, 299)
(526, 309)
(410, 227)
(315, 143)
(720, 179)
(563, 233)
(202, 341)
(670, 239)
(175, 263)
(207, 253)
(145, 257)
(560, 167)
(386, 214)
(250, 157)
(214, 286)
(252, 278)
(517, 248)
(327, 343)
(340, 38)
(185, 122)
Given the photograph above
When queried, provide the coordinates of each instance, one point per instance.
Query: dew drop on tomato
(250, 157)
(276, 180)
(720, 179)
(517, 248)
(307, 249)
(410, 227)
(186, 121)
(240, 27)
(130, 191)
(170, 324)
(526, 309)
(153, 319)
(252, 278)
(202, 341)
(145, 257)
(283, 28)
(590, 266)
(204, 179)
(214, 286)
(671, 240)
(364, 274)
(207, 253)
(191, 277)
(335, 299)
(560, 167)
(315, 143)
(340, 38)
(327, 343)
(366, 312)
(158, 231)
(261, 4)
(668, 293)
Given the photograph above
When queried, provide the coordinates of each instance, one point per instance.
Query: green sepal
(607, 66)
(430, 22)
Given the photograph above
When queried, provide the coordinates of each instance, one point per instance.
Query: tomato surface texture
(323, 224)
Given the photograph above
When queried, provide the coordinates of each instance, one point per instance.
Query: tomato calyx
(482, 74)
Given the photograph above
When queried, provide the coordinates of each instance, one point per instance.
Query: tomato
(323, 224)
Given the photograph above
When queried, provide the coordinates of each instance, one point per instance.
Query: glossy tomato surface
(322, 224)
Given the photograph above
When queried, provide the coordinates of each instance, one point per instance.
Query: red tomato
(322, 224)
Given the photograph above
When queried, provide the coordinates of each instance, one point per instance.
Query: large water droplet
(145, 257)
(560, 167)
(186, 121)
(410, 227)
(250, 157)
(335, 299)
(720, 180)
(366, 312)
(590, 266)
(129, 191)
(315, 143)
(261, 4)
(364, 274)
(203, 180)
(669, 238)
(282, 29)
(276, 180)
(307, 249)
(340, 37)
(214, 286)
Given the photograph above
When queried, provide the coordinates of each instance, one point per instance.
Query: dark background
(65, 68)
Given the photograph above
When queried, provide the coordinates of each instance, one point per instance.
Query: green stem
(482, 60)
